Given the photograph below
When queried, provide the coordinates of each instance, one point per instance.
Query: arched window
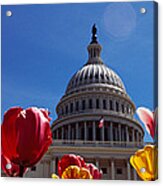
(77, 105)
(91, 76)
(83, 105)
(96, 76)
(111, 104)
(104, 104)
(97, 104)
(123, 109)
(71, 107)
(90, 103)
(66, 109)
(117, 106)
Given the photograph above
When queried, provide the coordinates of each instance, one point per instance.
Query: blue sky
(44, 45)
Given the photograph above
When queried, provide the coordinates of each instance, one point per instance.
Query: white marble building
(93, 92)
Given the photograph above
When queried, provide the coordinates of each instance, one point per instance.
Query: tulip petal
(8, 132)
(37, 143)
(147, 118)
(75, 172)
(145, 162)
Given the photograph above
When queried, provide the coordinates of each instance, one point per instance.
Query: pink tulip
(147, 117)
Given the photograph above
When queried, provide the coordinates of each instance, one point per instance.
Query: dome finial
(94, 36)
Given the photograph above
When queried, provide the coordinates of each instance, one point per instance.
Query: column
(116, 134)
(77, 131)
(100, 103)
(120, 133)
(123, 135)
(94, 103)
(135, 175)
(120, 107)
(114, 105)
(53, 167)
(127, 134)
(57, 134)
(86, 103)
(111, 132)
(133, 137)
(108, 132)
(69, 132)
(46, 169)
(97, 163)
(62, 132)
(72, 132)
(94, 131)
(137, 138)
(128, 170)
(85, 130)
(112, 169)
(102, 133)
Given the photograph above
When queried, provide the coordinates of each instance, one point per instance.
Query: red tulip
(71, 160)
(11, 169)
(147, 117)
(96, 174)
(68, 160)
(26, 135)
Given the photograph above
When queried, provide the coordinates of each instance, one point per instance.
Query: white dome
(95, 74)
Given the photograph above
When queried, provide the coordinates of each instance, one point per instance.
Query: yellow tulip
(75, 172)
(54, 176)
(145, 162)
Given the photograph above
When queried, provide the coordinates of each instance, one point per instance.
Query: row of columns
(53, 169)
(113, 173)
(114, 132)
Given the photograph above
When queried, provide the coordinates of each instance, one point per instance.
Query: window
(117, 107)
(119, 171)
(123, 109)
(90, 103)
(83, 105)
(71, 107)
(102, 76)
(96, 76)
(104, 104)
(66, 109)
(127, 109)
(91, 76)
(97, 103)
(33, 168)
(104, 170)
(77, 106)
(111, 104)
(62, 111)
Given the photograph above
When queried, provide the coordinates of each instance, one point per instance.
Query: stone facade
(93, 92)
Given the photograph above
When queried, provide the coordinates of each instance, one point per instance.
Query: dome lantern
(94, 49)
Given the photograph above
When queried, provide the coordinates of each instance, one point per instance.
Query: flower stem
(21, 170)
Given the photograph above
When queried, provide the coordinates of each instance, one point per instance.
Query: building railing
(98, 143)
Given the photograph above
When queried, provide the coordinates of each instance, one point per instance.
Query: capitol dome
(95, 74)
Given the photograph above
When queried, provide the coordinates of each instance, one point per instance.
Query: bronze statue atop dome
(94, 36)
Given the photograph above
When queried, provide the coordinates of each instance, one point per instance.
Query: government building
(95, 91)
